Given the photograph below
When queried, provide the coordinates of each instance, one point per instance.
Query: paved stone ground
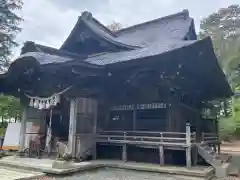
(118, 174)
(14, 174)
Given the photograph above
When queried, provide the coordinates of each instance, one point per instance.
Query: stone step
(14, 174)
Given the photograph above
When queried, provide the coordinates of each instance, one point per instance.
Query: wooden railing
(210, 137)
(160, 140)
(147, 138)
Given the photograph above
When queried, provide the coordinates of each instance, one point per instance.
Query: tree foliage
(114, 26)
(223, 27)
(9, 107)
(9, 27)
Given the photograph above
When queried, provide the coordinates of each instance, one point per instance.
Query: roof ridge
(88, 16)
(184, 13)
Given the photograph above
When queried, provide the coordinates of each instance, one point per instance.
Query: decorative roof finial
(186, 13)
(86, 15)
(28, 46)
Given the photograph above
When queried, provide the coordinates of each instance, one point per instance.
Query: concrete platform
(61, 168)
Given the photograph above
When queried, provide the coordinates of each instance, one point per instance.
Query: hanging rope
(45, 103)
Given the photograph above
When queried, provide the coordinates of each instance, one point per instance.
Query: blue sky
(49, 22)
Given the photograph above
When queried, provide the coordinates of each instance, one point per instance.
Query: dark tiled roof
(97, 28)
(152, 50)
(48, 59)
(142, 40)
(156, 31)
(44, 58)
(175, 26)
(58, 52)
(30, 46)
(102, 33)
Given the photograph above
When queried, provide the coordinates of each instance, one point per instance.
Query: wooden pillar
(188, 149)
(23, 130)
(72, 129)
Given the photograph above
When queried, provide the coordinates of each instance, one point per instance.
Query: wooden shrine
(137, 91)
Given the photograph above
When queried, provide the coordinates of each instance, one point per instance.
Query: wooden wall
(176, 118)
(140, 117)
(35, 118)
(86, 119)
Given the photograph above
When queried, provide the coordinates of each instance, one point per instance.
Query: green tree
(9, 107)
(9, 26)
(224, 29)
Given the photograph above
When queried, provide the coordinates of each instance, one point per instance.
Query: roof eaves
(60, 52)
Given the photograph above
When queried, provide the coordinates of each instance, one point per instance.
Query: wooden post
(49, 135)
(72, 129)
(195, 151)
(95, 130)
(218, 138)
(215, 147)
(202, 139)
(188, 149)
(161, 151)
(134, 117)
(124, 149)
(23, 130)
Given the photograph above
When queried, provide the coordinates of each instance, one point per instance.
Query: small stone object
(62, 151)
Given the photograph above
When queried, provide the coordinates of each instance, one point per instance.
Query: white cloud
(50, 21)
